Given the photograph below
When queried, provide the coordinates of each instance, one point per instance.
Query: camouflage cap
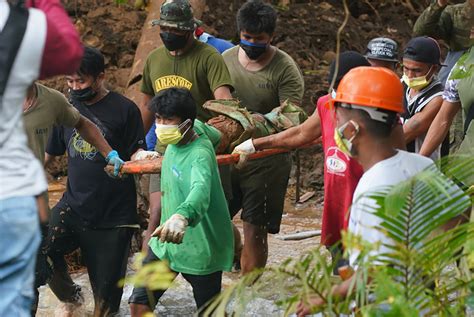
(177, 14)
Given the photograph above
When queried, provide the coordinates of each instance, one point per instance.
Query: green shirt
(263, 90)
(51, 108)
(191, 187)
(200, 69)
(451, 23)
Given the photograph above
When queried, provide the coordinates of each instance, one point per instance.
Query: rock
(329, 56)
(325, 6)
(100, 11)
(91, 40)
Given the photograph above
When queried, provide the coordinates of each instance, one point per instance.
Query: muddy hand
(172, 230)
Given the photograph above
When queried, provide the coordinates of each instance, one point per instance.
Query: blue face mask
(253, 50)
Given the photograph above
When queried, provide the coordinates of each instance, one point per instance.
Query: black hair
(174, 102)
(347, 61)
(376, 128)
(92, 63)
(256, 17)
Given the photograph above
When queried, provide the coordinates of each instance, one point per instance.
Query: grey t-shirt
(263, 90)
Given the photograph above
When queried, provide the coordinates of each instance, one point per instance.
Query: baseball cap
(382, 48)
(423, 49)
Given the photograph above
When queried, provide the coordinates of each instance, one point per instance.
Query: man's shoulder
(49, 93)
(121, 101)
(283, 57)
(393, 170)
(157, 52)
(230, 53)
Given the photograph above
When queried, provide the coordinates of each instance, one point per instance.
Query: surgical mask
(417, 83)
(171, 133)
(342, 143)
(253, 50)
(173, 41)
(85, 94)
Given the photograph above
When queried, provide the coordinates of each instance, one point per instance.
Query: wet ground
(178, 300)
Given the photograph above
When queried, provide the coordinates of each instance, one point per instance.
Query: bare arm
(92, 135)
(421, 121)
(294, 137)
(222, 92)
(305, 308)
(147, 116)
(155, 217)
(440, 127)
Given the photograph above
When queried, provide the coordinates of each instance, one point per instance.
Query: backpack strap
(10, 41)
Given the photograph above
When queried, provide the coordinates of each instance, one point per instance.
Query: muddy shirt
(263, 90)
(452, 24)
(103, 202)
(201, 70)
(51, 108)
(191, 187)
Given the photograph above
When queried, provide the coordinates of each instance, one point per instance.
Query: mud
(178, 300)
(306, 30)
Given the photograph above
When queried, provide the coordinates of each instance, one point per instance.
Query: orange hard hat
(375, 87)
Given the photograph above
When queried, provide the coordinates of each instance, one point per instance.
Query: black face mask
(253, 51)
(173, 41)
(85, 94)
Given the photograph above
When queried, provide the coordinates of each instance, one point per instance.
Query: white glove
(172, 230)
(245, 148)
(146, 155)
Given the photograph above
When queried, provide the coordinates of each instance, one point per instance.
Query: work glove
(244, 149)
(172, 230)
(114, 159)
(146, 155)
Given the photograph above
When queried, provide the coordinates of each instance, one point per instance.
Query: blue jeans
(19, 244)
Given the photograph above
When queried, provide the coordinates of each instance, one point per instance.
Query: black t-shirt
(103, 202)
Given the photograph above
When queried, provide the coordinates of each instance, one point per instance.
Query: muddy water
(178, 300)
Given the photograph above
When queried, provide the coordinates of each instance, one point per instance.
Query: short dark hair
(376, 128)
(256, 17)
(174, 102)
(347, 61)
(92, 63)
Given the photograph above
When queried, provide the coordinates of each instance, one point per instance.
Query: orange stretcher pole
(154, 166)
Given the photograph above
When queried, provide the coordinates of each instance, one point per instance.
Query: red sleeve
(63, 49)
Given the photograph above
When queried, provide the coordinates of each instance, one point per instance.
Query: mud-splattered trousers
(104, 252)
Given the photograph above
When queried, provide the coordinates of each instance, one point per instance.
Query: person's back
(388, 172)
(21, 174)
(28, 39)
